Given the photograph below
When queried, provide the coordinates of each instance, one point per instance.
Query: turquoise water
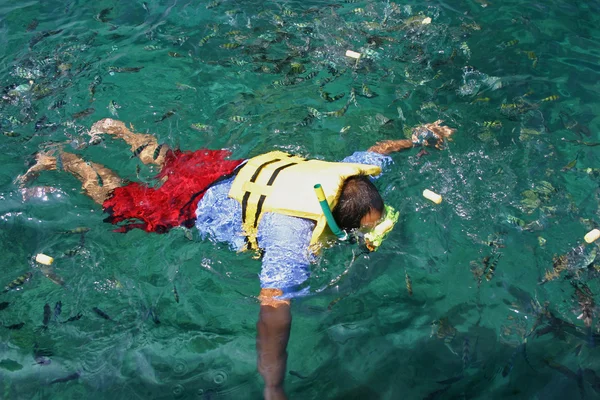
(507, 178)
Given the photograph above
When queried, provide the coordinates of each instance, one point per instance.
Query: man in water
(266, 204)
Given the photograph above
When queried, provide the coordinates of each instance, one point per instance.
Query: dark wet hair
(358, 197)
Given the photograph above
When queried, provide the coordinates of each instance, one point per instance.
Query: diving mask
(375, 236)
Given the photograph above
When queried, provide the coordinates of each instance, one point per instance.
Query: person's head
(360, 205)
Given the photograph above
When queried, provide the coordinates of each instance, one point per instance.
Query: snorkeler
(266, 204)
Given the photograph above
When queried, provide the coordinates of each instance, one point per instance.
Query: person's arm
(285, 265)
(272, 335)
(422, 135)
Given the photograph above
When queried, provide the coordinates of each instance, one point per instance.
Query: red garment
(174, 203)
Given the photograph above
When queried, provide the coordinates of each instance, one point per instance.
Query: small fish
(324, 81)
(466, 357)
(74, 318)
(101, 313)
(510, 43)
(152, 313)
(16, 326)
(57, 104)
(18, 282)
(445, 331)
(481, 100)
(157, 151)
(353, 96)
(102, 15)
(183, 86)
(11, 134)
(570, 165)
(511, 361)
(581, 142)
(84, 113)
(283, 82)
(152, 47)
(511, 219)
(79, 229)
(137, 151)
(314, 112)
(54, 278)
(168, 114)
(230, 46)
(205, 39)
(42, 360)
(330, 99)
(451, 380)
(112, 108)
(201, 127)
(367, 92)
(145, 6)
(491, 268)
(174, 54)
(138, 169)
(310, 76)
(57, 309)
(47, 314)
(408, 283)
(297, 374)
(92, 87)
(32, 25)
(296, 68)
(307, 120)
(124, 69)
(213, 4)
(238, 118)
(345, 129)
(37, 38)
(175, 294)
(340, 112)
(551, 98)
(67, 378)
(41, 123)
(3, 305)
(492, 124)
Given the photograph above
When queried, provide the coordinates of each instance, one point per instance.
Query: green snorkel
(372, 239)
(341, 234)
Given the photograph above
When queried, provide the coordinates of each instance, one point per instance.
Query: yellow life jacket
(283, 183)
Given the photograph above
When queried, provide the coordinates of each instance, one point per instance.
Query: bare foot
(43, 162)
(110, 126)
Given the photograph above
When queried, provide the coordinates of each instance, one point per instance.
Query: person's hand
(428, 134)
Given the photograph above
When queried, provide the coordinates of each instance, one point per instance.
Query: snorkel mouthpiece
(375, 237)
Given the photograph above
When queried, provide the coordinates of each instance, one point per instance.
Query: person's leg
(97, 180)
(135, 140)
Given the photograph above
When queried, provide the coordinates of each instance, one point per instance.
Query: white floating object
(428, 194)
(592, 235)
(426, 21)
(352, 54)
(44, 259)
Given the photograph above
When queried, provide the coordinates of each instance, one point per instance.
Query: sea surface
(488, 295)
